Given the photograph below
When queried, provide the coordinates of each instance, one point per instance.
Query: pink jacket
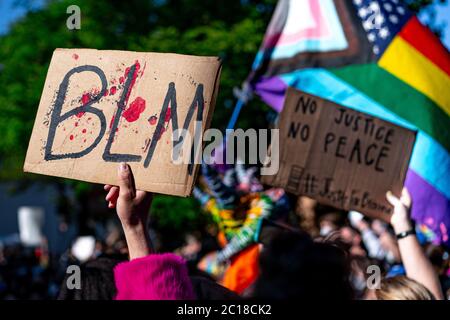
(154, 277)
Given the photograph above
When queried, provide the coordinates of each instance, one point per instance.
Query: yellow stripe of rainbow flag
(406, 63)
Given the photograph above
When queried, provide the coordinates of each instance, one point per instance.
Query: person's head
(292, 265)
(402, 288)
(331, 221)
(359, 275)
(438, 257)
(97, 280)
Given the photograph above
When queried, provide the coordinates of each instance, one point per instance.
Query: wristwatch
(404, 234)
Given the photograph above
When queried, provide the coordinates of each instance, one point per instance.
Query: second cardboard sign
(339, 156)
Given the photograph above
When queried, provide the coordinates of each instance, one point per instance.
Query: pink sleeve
(154, 277)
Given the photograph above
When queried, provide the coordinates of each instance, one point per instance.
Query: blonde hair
(402, 288)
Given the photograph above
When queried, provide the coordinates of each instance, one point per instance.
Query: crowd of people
(33, 272)
(26, 273)
(265, 244)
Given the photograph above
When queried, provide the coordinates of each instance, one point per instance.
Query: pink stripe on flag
(321, 29)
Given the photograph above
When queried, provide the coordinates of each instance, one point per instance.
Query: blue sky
(442, 18)
(9, 13)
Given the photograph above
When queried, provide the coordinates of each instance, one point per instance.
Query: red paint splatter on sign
(112, 91)
(134, 110)
(152, 120)
(85, 98)
(84, 131)
(133, 79)
(75, 56)
(168, 113)
(71, 137)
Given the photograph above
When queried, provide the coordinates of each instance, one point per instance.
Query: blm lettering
(99, 108)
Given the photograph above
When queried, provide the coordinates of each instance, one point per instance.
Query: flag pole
(243, 95)
(235, 114)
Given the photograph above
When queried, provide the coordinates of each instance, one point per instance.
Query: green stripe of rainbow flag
(410, 86)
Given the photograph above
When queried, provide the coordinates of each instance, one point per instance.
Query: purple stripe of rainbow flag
(417, 65)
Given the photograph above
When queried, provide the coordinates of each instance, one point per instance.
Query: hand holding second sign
(132, 208)
(400, 219)
(416, 263)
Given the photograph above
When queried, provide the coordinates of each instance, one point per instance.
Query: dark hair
(293, 266)
(436, 254)
(97, 280)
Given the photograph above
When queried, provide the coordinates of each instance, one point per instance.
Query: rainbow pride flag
(375, 57)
